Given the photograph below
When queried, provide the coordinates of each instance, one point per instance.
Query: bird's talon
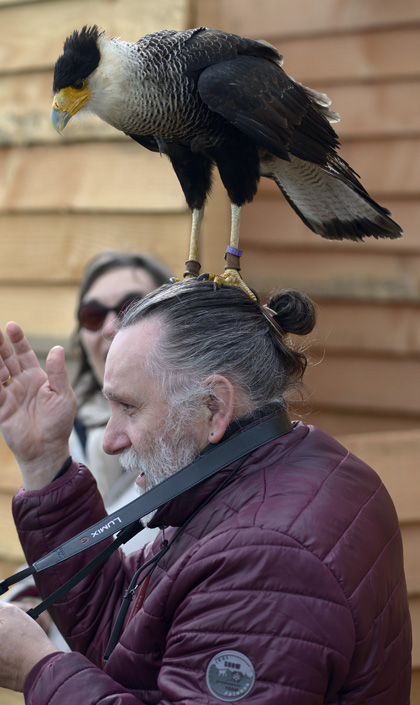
(190, 275)
(231, 277)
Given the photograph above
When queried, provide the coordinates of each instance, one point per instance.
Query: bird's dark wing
(206, 47)
(279, 114)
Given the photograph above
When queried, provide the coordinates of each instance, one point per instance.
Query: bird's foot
(192, 270)
(230, 277)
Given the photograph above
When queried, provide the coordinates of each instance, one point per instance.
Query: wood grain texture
(43, 26)
(304, 17)
(71, 239)
(10, 548)
(367, 385)
(394, 456)
(89, 177)
(372, 56)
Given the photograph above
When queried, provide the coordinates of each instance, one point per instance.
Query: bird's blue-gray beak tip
(59, 119)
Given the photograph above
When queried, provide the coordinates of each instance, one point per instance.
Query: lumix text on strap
(200, 469)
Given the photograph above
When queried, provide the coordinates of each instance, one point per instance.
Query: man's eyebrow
(111, 396)
(122, 399)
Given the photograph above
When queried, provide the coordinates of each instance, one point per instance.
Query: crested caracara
(205, 97)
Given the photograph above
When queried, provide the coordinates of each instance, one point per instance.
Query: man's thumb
(56, 370)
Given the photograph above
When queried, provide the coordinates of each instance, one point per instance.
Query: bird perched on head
(205, 97)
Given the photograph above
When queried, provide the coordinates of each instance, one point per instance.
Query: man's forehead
(132, 345)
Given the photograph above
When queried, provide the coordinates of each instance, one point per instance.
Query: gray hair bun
(295, 312)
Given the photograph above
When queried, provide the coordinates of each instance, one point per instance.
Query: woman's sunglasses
(92, 314)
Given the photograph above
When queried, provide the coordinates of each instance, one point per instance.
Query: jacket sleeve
(59, 679)
(45, 519)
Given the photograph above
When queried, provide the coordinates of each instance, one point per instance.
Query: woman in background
(111, 282)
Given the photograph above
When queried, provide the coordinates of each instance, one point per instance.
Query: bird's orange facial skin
(67, 103)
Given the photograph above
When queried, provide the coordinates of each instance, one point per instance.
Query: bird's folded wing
(260, 99)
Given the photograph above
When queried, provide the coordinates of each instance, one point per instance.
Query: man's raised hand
(36, 408)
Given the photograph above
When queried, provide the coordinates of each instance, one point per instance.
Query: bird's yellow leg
(235, 225)
(193, 264)
(231, 274)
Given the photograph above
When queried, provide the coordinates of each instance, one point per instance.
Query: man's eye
(78, 84)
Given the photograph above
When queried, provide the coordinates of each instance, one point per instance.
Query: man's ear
(220, 403)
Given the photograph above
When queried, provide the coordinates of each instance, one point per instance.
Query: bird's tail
(330, 202)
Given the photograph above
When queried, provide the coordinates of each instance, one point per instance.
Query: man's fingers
(20, 356)
(7, 365)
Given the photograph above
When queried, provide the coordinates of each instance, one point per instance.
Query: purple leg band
(234, 251)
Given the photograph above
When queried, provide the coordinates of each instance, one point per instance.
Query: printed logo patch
(230, 676)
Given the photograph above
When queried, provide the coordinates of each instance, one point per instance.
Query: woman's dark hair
(221, 330)
(85, 381)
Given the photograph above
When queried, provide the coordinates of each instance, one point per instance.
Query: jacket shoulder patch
(230, 676)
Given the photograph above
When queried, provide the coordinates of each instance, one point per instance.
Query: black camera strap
(222, 455)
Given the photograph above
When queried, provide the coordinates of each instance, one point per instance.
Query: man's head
(186, 361)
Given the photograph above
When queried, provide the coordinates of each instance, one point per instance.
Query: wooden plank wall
(64, 198)
(365, 377)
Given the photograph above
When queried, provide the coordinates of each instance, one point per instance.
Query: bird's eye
(78, 84)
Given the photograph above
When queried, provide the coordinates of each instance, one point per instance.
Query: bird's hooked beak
(67, 102)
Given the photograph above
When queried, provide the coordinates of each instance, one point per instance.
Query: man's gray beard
(164, 455)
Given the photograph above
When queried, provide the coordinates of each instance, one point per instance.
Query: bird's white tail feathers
(327, 203)
(322, 100)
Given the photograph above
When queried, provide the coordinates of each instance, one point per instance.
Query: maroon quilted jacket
(288, 587)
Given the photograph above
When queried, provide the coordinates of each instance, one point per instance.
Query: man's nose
(114, 440)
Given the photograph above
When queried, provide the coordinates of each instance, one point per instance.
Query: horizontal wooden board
(365, 385)
(338, 420)
(335, 273)
(361, 56)
(390, 329)
(41, 310)
(88, 177)
(54, 247)
(415, 687)
(10, 548)
(43, 26)
(394, 456)
(415, 620)
(411, 542)
(9, 568)
(10, 479)
(302, 17)
(386, 167)
(381, 110)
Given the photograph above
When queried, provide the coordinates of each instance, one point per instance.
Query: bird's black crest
(81, 56)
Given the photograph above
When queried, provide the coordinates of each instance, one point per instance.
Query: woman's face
(109, 290)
